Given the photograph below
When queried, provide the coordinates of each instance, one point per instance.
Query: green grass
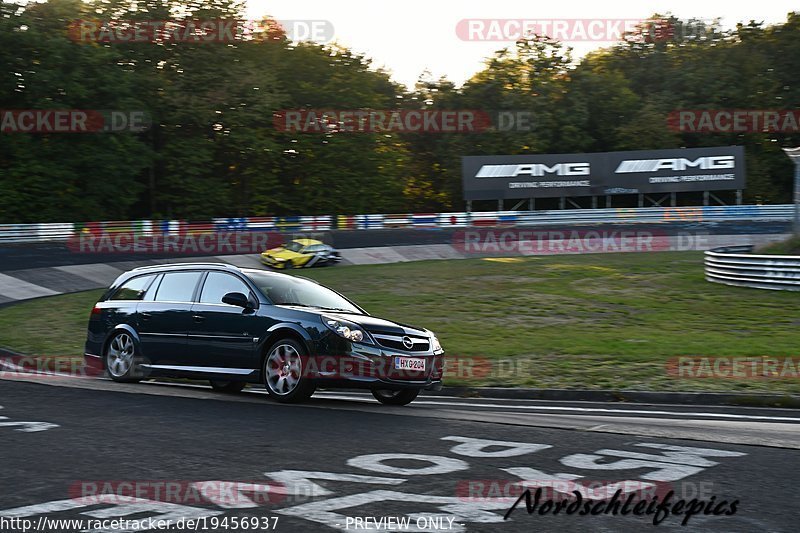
(48, 326)
(790, 246)
(588, 321)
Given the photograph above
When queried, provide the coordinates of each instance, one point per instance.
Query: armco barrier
(22, 233)
(735, 265)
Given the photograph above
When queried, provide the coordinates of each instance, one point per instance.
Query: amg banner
(640, 171)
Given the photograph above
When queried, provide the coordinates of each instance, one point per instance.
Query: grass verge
(790, 246)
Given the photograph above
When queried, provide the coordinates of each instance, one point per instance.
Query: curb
(789, 401)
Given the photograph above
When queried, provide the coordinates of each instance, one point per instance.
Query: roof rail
(163, 265)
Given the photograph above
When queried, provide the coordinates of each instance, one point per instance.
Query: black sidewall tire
(227, 386)
(401, 397)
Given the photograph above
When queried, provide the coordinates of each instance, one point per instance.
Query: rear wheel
(283, 373)
(227, 386)
(395, 397)
(121, 359)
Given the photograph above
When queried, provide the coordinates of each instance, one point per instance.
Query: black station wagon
(234, 326)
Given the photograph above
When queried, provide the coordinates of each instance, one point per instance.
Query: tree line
(212, 148)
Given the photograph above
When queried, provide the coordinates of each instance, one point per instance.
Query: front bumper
(368, 366)
(272, 262)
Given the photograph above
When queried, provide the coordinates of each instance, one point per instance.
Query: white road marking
(27, 427)
(677, 462)
(439, 464)
(471, 447)
(564, 483)
(298, 482)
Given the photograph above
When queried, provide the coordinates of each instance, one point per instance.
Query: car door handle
(198, 318)
(145, 315)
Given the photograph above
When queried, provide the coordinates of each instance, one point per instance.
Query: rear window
(133, 289)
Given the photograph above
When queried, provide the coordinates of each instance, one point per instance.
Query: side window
(133, 289)
(218, 284)
(314, 248)
(177, 286)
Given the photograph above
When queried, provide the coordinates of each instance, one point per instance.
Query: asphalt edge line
(735, 399)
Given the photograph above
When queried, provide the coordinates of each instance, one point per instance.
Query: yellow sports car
(301, 253)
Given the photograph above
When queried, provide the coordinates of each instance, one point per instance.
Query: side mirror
(236, 298)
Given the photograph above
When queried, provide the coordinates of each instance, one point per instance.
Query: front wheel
(283, 373)
(395, 397)
(227, 386)
(121, 359)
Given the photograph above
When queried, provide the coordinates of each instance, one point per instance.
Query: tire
(282, 373)
(227, 386)
(121, 359)
(395, 397)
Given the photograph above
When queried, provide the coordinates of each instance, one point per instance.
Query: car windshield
(289, 290)
(293, 246)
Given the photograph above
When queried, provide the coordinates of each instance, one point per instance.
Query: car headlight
(435, 345)
(347, 330)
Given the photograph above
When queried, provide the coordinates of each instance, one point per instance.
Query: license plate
(409, 363)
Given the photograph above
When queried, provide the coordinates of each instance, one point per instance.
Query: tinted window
(133, 289)
(177, 287)
(218, 284)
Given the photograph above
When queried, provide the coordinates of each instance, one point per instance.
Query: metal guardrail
(735, 265)
(23, 233)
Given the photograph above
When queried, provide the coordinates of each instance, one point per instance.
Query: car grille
(395, 342)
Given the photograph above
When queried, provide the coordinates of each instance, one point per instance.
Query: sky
(408, 37)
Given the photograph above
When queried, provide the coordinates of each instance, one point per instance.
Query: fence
(735, 265)
(23, 233)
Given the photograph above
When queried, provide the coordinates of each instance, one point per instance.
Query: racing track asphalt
(95, 430)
